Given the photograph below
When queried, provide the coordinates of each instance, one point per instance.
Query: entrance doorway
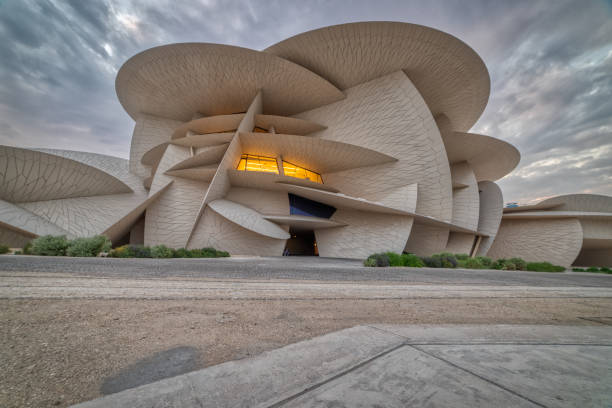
(301, 243)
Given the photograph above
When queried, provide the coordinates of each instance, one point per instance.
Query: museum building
(339, 142)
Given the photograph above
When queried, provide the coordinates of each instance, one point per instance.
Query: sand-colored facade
(574, 229)
(342, 142)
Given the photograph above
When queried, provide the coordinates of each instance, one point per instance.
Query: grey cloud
(551, 83)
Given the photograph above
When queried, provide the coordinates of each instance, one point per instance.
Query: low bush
(379, 260)
(578, 270)
(412, 261)
(462, 257)
(394, 259)
(18, 253)
(447, 260)
(4, 249)
(120, 252)
(87, 247)
(543, 267)
(592, 269)
(432, 262)
(161, 251)
(27, 249)
(512, 264)
(50, 245)
(519, 264)
(139, 251)
(471, 263)
(485, 261)
(603, 269)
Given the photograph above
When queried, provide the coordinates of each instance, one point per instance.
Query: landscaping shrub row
(59, 245)
(593, 269)
(162, 251)
(448, 260)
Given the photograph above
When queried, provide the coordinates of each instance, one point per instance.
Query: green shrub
(412, 261)
(379, 260)
(120, 252)
(447, 260)
(223, 254)
(4, 249)
(471, 263)
(206, 252)
(50, 245)
(578, 269)
(512, 264)
(88, 246)
(139, 251)
(27, 249)
(161, 251)
(519, 263)
(394, 259)
(432, 262)
(592, 269)
(462, 257)
(604, 269)
(181, 253)
(485, 261)
(370, 262)
(18, 253)
(543, 267)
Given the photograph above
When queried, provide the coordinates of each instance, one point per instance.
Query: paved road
(290, 268)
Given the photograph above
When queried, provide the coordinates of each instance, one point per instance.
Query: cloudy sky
(550, 64)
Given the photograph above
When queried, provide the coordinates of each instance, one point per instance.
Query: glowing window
(249, 162)
(296, 171)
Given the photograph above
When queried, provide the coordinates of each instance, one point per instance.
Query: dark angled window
(303, 206)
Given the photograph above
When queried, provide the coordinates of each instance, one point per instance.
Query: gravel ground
(73, 334)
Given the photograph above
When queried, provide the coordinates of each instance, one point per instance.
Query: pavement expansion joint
(488, 380)
(329, 379)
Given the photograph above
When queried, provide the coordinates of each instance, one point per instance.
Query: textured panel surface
(388, 115)
(247, 218)
(580, 202)
(262, 201)
(210, 139)
(177, 80)
(29, 175)
(490, 215)
(169, 220)
(426, 240)
(209, 124)
(364, 234)
(13, 239)
(149, 131)
(465, 199)
(287, 125)
(27, 222)
(557, 241)
(459, 243)
(490, 158)
(449, 74)
(217, 232)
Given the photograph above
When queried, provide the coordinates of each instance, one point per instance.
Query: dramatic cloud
(550, 64)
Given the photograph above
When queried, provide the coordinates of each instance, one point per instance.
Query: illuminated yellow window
(296, 171)
(249, 162)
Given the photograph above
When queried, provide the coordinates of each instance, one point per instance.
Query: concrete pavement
(398, 366)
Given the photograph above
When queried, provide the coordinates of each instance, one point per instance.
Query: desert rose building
(342, 142)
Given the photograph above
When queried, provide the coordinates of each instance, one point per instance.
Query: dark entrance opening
(301, 243)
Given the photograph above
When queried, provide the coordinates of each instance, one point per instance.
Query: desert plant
(432, 262)
(462, 257)
(412, 261)
(27, 249)
(519, 263)
(120, 252)
(222, 254)
(592, 269)
(485, 261)
(605, 269)
(50, 245)
(447, 260)
(139, 251)
(394, 259)
(471, 263)
(379, 260)
(161, 251)
(4, 249)
(543, 267)
(578, 269)
(87, 247)
(181, 253)
(18, 253)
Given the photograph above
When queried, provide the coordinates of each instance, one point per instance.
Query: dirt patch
(60, 352)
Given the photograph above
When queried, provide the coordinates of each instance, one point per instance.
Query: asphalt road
(291, 268)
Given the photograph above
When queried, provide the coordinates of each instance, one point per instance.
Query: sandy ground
(70, 334)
